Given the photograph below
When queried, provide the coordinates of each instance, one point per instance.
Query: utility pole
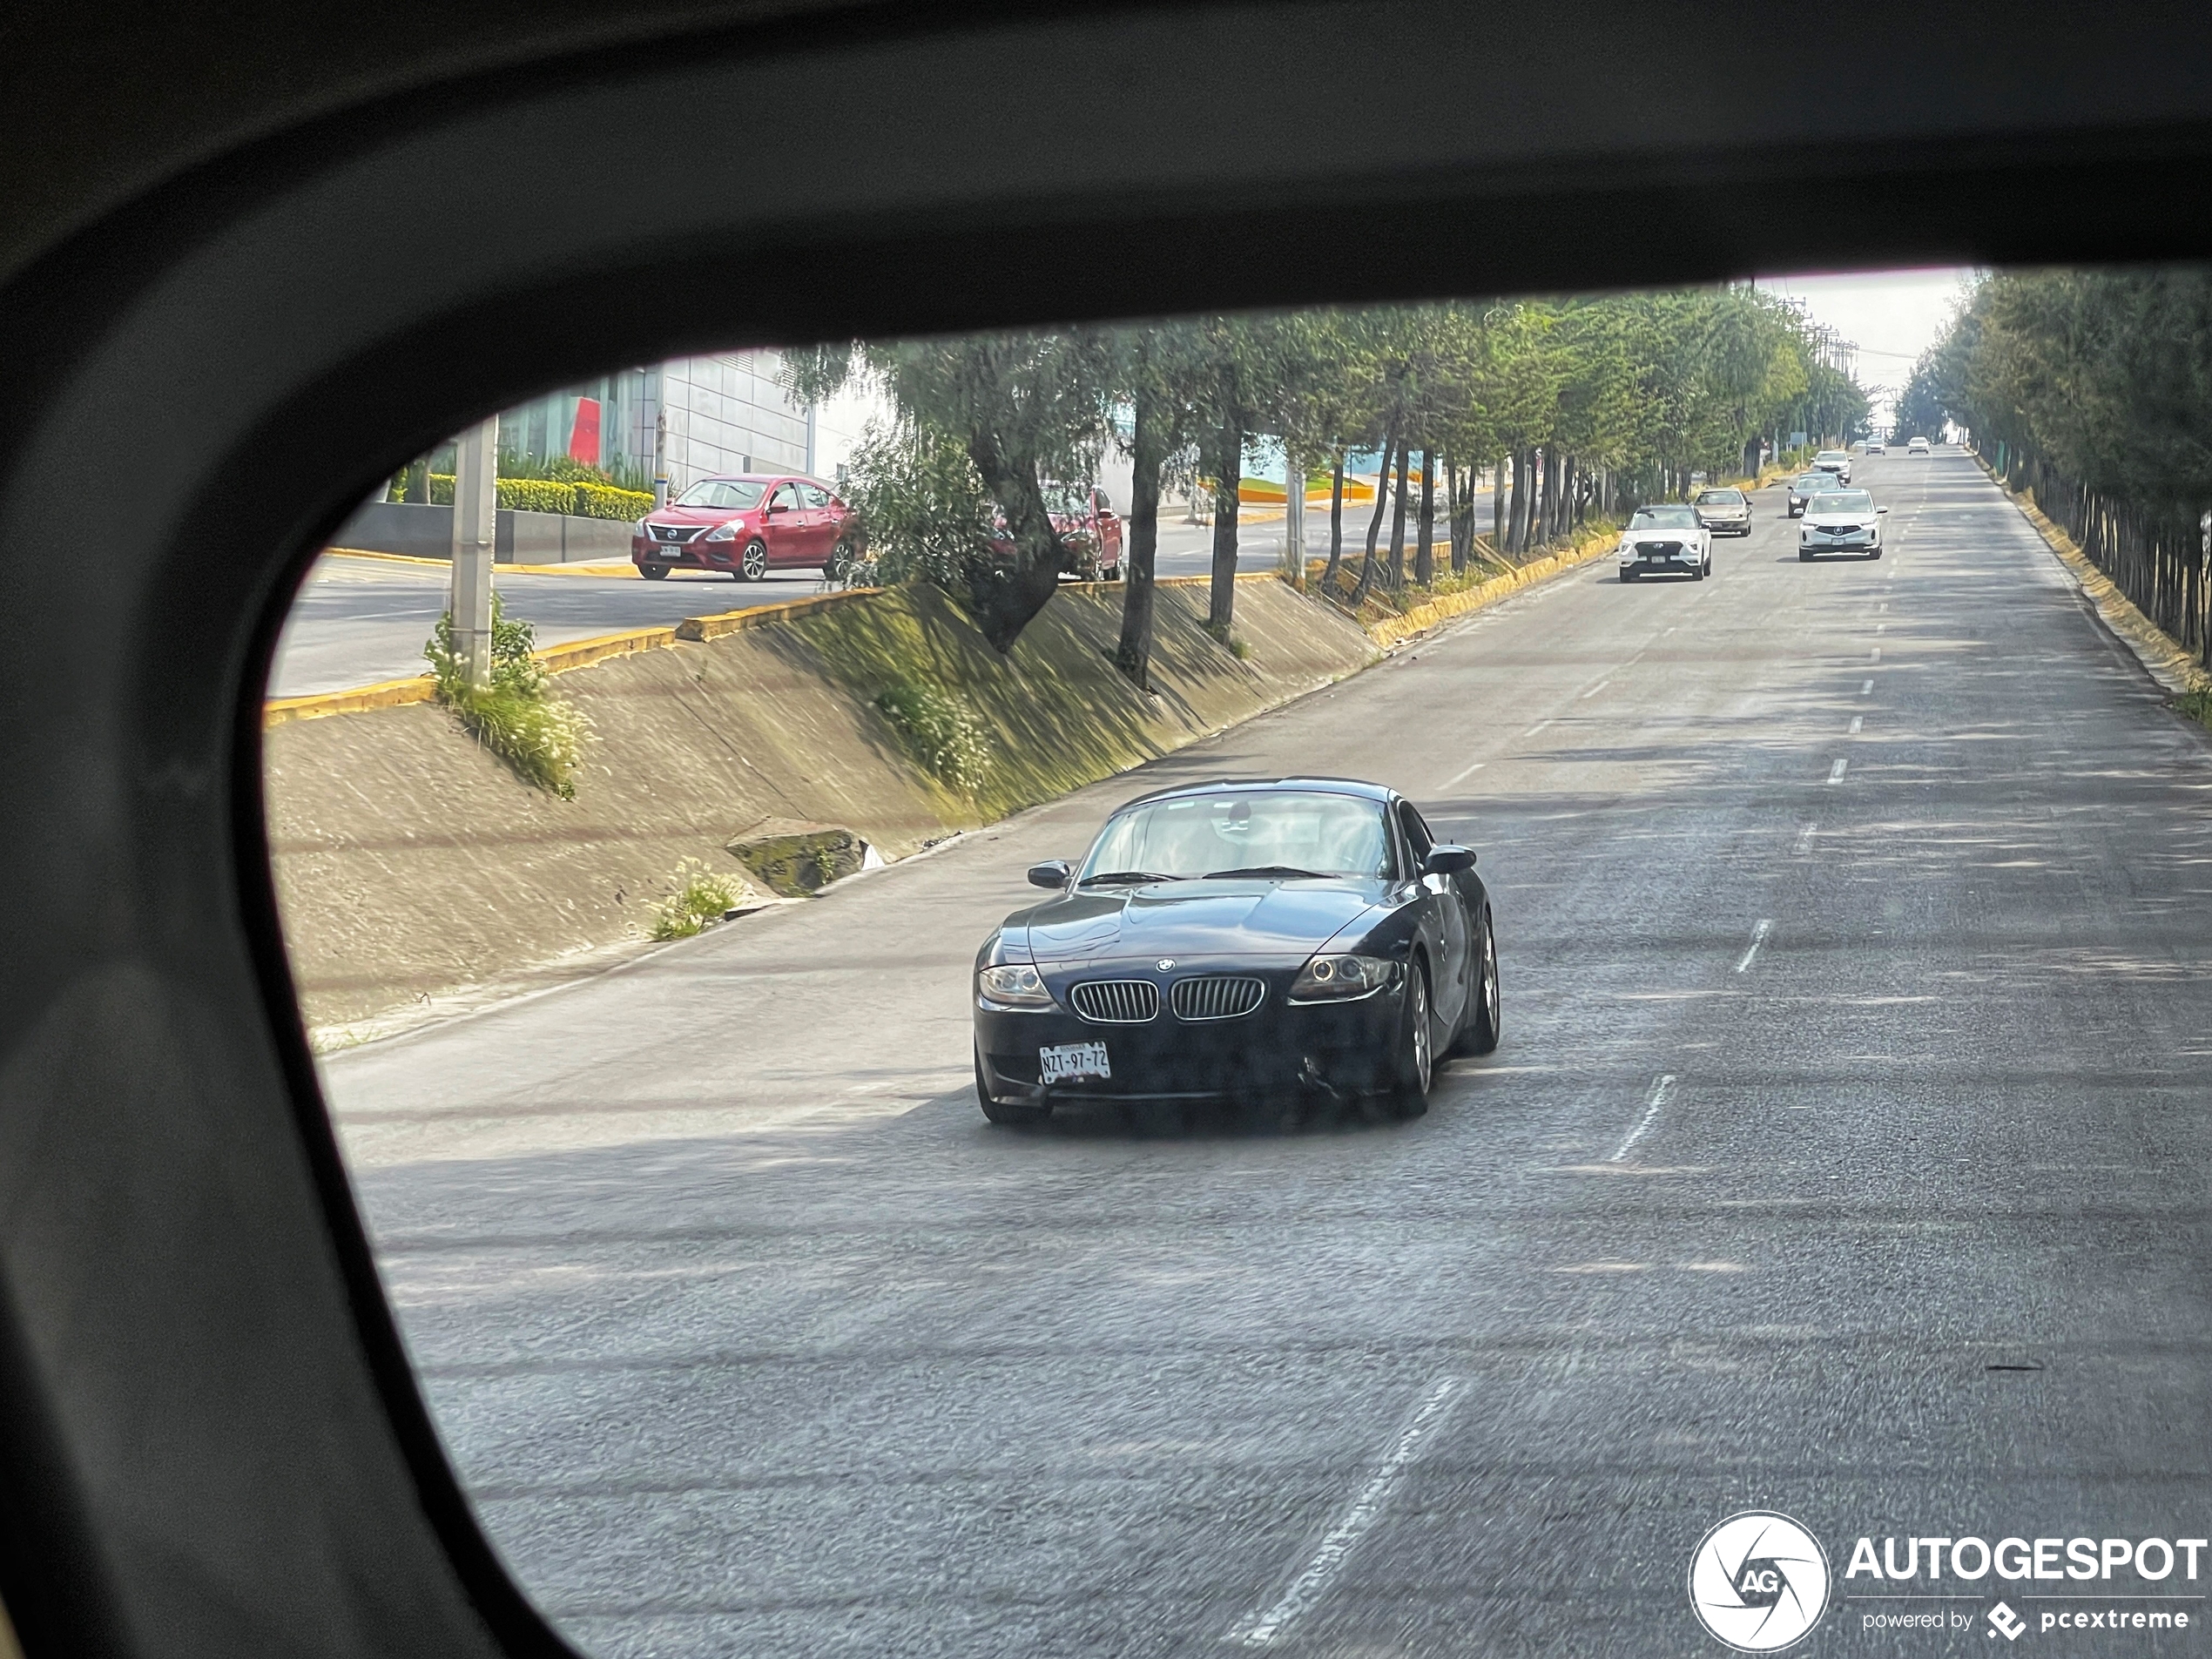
(1294, 518)
(475, 528)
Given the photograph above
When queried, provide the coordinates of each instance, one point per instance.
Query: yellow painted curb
(386, 558)
(385, 694)
(1391, 629)
(737, 621)
(2166, 659)
(581, 653)
(608, 568)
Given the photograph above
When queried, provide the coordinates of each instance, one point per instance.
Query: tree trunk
(1147, 457)
(1424, 549)
(1005, 594)
(1397, 567)
(1498, 544)
(1336, 525)
(1517, 506)
(1374, 525)
(1459, 510)
(1228, 473)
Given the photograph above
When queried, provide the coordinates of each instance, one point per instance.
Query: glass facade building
(721, 412)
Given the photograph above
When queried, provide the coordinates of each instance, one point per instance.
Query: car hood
(1816, 521)
(1232, 918)
(694, 514)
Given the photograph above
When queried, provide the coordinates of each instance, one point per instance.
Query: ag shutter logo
(1758, 1582)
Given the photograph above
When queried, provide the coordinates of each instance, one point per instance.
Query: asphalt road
(1846, 1156)
(358, 621)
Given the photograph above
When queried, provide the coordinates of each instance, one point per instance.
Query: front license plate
(1068, 1062)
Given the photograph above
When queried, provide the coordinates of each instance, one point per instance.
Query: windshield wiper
(1119, 877)
(1289, 870)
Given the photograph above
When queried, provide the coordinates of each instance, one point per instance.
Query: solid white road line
(1758, 938)
(1469, 772)
(1660, 1089)
(1836, 772)
(1805, 840)
(1858, 723)
(1311, 1585)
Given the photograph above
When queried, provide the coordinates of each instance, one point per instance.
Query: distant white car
(1835, 461)
(1841, 520)
(1874, 447)
(1668, 537)
(1918, 447)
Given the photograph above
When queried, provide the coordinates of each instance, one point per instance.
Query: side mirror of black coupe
(1052, 873)
(1447, 860)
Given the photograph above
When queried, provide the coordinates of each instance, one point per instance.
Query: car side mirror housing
(1051, 874)
(1447, 860)
(1881, 509)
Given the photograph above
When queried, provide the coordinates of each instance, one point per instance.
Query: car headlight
(1339, 979)
(1015, 986)
(722, 533)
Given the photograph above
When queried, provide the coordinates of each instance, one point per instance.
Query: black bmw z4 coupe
(1232, 941)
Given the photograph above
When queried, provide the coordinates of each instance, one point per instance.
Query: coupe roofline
(1335, 785)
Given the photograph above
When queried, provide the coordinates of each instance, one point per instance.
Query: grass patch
(702, 895)
(2196, 705)
(541, 736)
(941, 731)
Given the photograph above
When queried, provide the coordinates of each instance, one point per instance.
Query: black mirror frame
(1053, 872)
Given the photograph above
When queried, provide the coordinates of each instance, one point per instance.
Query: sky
(1892, 316)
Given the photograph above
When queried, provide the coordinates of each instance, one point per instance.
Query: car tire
(1014, 1115)
(1412, 1060)
(653, 572)
(1627, 576)
(840, 561)
(1805, 556)
(1875, 554)
(1479, 1031)
(752, 563)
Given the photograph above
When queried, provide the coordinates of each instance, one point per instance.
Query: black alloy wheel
(1414, 1065)
(999, 1112)
(752, 563)
(840, 561)
(653, 572)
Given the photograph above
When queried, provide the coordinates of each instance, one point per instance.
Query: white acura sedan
(1669, 536)
(1841, 520)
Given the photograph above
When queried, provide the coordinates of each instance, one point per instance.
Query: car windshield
(1833, 455)
(1309, 831)
(1720, 498)
(1664, 518)
(1813, 481)
(1843, 501)
(734, 494)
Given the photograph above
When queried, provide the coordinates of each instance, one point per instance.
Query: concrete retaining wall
(410, 863)
(521, 538)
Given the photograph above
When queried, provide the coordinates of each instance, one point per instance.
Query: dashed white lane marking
(1469, 772)
(1867, 687)
(1758, 938)
(1857, 726)
(1661, 1088)
(1881, 627)
(1836, 772)
(1805, 840)
(1878, 654)
(1535, 729)
(1594, 691)
(1311, 1585)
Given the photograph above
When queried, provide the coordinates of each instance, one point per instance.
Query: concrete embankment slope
(412, 864)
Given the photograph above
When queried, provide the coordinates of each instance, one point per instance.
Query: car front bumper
(1342, 1049)
(1859, 542)
(685, 556)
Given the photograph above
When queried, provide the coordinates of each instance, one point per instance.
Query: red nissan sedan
(745, 526)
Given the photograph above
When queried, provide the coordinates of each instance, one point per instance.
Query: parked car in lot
(743, 526)
(1834, 460)
(1918, 447)
(1306, 936)
(1805, 486)
(1668, 537)
(1725, 507)
(1089, 531)
(1841, 520)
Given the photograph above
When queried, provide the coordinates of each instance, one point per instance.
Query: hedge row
(547, 495)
